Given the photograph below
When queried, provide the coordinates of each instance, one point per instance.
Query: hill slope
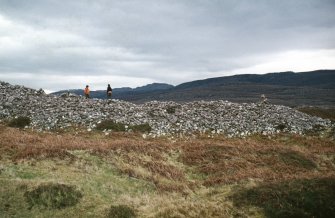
(286, 88)
(117, 92)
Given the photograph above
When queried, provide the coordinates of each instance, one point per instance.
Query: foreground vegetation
(122, 175)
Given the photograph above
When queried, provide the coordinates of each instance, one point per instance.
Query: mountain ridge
(287, 88)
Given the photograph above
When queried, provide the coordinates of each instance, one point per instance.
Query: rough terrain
(66, 162)
(165, 118)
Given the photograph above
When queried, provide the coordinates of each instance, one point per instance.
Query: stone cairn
(49, 112)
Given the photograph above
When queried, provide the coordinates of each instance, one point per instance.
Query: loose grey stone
(165, 118)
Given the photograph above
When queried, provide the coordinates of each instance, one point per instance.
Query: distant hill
(287, 88)
(121, 91)
(320, 79)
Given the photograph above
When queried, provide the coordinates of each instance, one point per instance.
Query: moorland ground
(81, 174)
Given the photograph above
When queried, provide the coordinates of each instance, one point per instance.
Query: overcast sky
(55, 44)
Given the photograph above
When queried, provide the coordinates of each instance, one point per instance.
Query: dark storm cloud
(135, 42)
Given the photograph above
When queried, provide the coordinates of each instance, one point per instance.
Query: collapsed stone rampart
(165, 118)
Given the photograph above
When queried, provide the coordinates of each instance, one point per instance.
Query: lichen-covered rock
(165, 118)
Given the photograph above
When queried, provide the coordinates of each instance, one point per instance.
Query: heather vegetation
(90, 174)
(54, 196)
(297, 198)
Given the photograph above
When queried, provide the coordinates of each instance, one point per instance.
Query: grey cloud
(166, 41)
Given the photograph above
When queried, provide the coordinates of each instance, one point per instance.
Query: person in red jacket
(87, 91)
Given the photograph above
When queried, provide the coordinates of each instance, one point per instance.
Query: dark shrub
(110, 124)
(20, 122)
(299, 198)
(121, 211)
(281, 126)
(54, 196)
(171, 110)
(141, 128)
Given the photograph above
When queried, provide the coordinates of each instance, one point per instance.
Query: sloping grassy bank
(123, 175)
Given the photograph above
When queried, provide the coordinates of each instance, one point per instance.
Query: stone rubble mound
(165, 118)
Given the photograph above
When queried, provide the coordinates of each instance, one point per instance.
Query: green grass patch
(28, 175)
(97, 179)
(299, 198)
(11, 199)
(20, 171)
(55, 196)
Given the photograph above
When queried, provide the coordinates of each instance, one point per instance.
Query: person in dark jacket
(109, 91)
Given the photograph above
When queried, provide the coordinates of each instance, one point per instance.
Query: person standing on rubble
(109, 92)
(87, 92)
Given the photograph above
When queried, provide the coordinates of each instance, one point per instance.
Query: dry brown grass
(25, 143)
(226, 161)
(174, 205)
(217, 161)
(132, 155)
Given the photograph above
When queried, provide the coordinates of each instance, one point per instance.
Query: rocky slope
(165, 118)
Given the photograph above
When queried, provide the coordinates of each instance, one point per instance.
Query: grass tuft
(194, 210)
(121, 211)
